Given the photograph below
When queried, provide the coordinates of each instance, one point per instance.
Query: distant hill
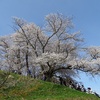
(24, 88)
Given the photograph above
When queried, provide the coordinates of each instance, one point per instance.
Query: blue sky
(86, 18)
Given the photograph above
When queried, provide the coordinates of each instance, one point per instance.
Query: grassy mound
(24, 88)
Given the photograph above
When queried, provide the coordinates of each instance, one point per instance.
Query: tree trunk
(27, 58)
(48, 76)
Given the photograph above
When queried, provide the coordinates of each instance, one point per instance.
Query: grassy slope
(22, 88)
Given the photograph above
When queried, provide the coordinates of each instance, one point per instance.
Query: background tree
(5, 44)
(26, 39)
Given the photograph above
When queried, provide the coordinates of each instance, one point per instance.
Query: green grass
(25, 88)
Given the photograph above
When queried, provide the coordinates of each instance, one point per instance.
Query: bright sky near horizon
(86, 18)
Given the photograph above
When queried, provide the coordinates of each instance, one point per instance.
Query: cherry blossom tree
(52, 40)
(52, 50)
(93, 59)
(5, 44)
(59, 48)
